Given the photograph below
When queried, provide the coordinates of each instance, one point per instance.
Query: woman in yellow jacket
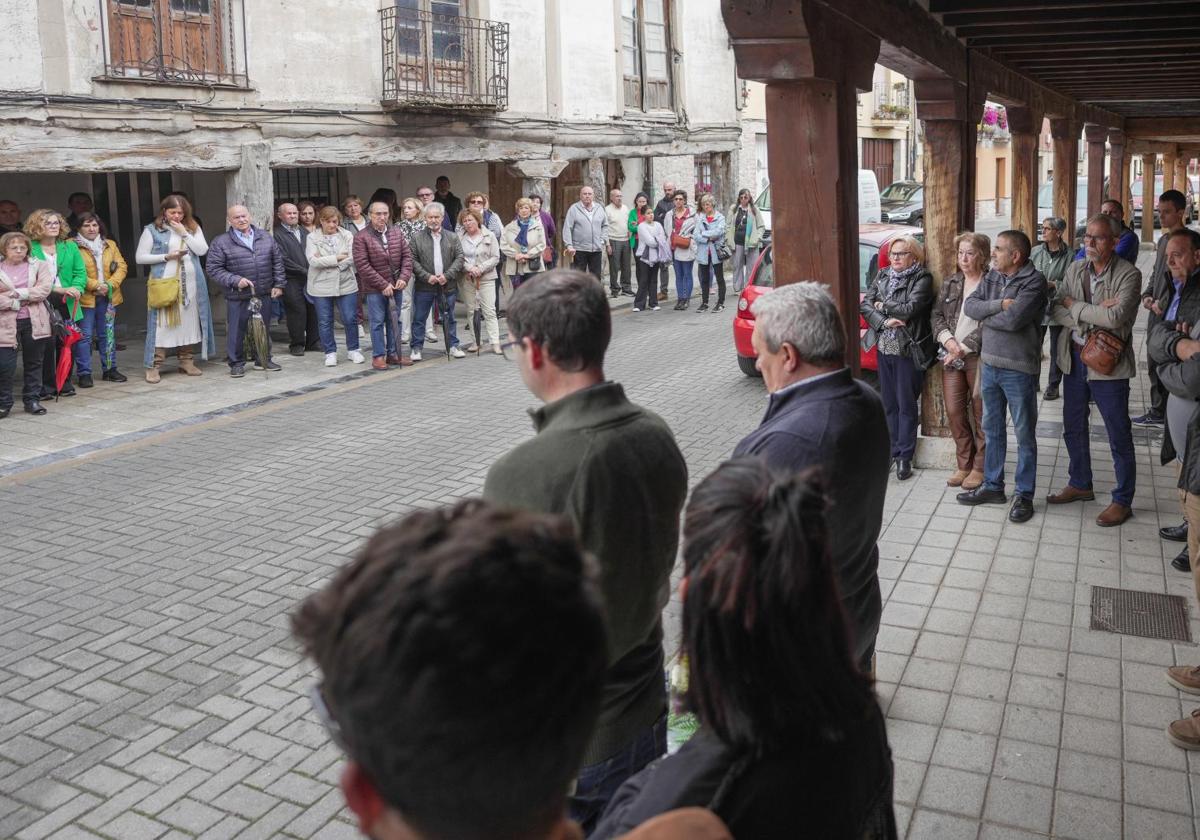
(106, 270)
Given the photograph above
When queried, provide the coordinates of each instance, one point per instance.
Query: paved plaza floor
(149, 687)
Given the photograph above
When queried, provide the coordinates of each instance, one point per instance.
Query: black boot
(1182, 562)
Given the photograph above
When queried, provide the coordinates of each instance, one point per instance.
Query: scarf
(96, 246)
(523, 231)
(890, 338)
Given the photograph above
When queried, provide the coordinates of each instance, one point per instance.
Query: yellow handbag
(162, 292)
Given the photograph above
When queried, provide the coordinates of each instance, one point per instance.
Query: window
(177, 41)
(901, 91)
(645, 51)
(880, 89)
(704, 176)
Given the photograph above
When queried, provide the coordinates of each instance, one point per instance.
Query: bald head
(238, 217)
(287, 213)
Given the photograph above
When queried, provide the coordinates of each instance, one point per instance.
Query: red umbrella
(62, 371)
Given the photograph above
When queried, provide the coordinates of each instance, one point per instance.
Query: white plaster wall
(746, 164)
(678, 169)
(20, 46)
(82, 34)
(527, 75)
(36, 190)
(464, 178)
(589, 59)
(708, 64)
(635, 173)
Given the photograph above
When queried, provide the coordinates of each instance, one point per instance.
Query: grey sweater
(1010, 336)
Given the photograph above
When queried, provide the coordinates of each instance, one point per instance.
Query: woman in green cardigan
(48, 231)
(637, 214)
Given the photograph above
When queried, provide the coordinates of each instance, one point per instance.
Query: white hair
(1114, 227)
(434, 207)
(804, 316)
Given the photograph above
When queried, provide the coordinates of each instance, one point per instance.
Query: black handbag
(921, 360)
(58, 324)
(534, 263)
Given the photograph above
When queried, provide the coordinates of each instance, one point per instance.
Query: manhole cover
(1148, 614)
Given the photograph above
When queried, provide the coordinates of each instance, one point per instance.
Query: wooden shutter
(656, 52)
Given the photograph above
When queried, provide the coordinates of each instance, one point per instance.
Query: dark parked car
(1135, 189)
(903, 203)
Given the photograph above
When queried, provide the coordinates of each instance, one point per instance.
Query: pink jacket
(41, 281)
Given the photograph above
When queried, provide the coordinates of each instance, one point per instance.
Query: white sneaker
(655, 308)
(416, 356)
(457, 352)
(331, 360)
(355, 356)
(636, 309)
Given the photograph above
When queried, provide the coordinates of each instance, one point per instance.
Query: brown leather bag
(678, 241)
(1102, 351)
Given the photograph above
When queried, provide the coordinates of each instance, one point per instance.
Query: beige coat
(510, 248)
(41, 281)
(327, 277)
(1121, 281)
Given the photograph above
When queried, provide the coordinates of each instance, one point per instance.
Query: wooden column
(1065, 133)
(1096, 136)
(252, 185)
(1148, 197)
(1025, 125)
(1118, 170)
(814, 190)
(1181, 178)
(1168, 168)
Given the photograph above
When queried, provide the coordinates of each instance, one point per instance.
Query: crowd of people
(496, 668)
(388, 269)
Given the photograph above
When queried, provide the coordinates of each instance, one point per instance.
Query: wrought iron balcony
(434, 62)
(190, 42)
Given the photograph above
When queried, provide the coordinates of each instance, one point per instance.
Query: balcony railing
(196, 42)
(443, 62)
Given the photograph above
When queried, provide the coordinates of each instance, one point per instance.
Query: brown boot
(1186, 733)
(1185, 678)
(186, 365)
(160, 355)
(1070, 494)
(957, 479)
(973, 480)
(1113, 515)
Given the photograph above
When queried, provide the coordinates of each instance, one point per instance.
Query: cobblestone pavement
(149, 688)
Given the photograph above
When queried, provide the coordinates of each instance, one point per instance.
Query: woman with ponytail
(792, 741)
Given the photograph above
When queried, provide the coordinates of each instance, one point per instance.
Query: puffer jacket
(1161, 341)
(115, 271)
(328, 276)
(948, 308)
(911, 303)
(1121, 280)
(229, 260)
(1182, 379)
(377, 266)
(41, 281)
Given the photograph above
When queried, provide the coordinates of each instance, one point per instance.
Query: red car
(873, 243)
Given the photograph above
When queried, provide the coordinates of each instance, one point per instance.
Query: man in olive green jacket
(614, 469)
(1100, 292)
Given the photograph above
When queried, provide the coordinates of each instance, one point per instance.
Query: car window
(763, 202)
(900, 191)
(868, 265)
(765, 275)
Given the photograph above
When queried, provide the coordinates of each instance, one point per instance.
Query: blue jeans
(380, 325)
(900, 385)
(683, 278)
(1006, 391)
(597, 782)
(92, 326)
(1111, 397)
(423, 301)
(347, 307)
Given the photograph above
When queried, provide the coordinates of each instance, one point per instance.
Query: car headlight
(899, 215)
(743, 304)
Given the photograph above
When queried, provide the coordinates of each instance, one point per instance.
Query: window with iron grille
(197, 42)
(316, 184)
(645, 54)
(704, 176)
(434, 56)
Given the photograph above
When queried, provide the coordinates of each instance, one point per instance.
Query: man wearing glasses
(1009, 303)
(1098, 293)
(424, 195)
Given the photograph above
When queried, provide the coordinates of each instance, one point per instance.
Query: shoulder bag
(1102, 351)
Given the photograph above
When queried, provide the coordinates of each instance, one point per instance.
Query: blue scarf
(523, 232)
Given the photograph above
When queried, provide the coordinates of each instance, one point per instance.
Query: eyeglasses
(424, 195)
(316, 697)
(476, 201)
(894, 254)
(508, 349)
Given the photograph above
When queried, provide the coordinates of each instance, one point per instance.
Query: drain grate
(1148, 614)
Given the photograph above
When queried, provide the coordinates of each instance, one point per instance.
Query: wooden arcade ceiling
(1136, 58)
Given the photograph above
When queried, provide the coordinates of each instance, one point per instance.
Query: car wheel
(919, 222)
(746, 363)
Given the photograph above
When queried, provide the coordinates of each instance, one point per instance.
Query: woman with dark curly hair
(791, 740)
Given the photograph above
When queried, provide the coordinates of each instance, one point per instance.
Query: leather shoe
(1174, 533)
(1022, 509)
(378, 363)
(957, 479)
(296, 351)
(34, 407)
(406, 361)
(1070, 494)
(4, 412)
(1051, 393)
(1182, 562)
(393, 361)
(982, 496)
(904, 470)
(973, 480)
(1113, 515)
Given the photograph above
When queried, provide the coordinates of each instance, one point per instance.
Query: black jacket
(664, 206)
(911, 303)
(837, 423)
(295, 263)
(833, 790)
(1179, 378)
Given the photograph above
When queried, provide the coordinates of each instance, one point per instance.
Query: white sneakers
(416, 356)
(331, 360)
(355, 356)
(457, 352)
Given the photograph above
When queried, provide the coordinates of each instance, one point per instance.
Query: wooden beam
(1153, 128)
(1010, 7)
(1168, 167)
(1025, 125)
(1124, 13)
(1117, 169)
(1065, 134)
(1080, 29)
(1145, 39)
(1028, 49)
(1148, 197)
(1096, 137)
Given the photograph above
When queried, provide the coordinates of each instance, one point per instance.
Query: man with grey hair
(1099, 293)
(585, 232)
(819, 416)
